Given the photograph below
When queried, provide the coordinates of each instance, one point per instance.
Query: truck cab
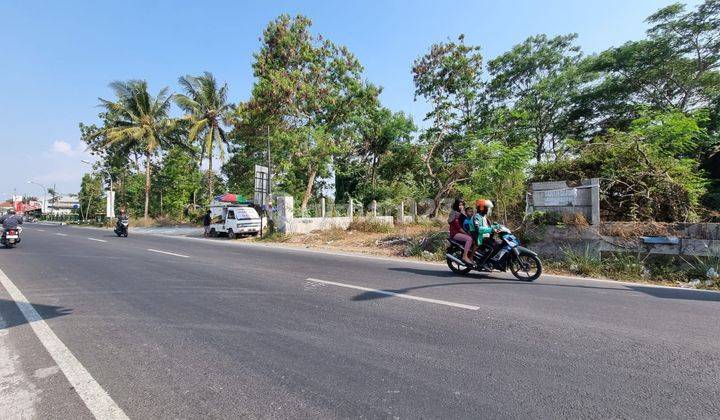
(233, 220)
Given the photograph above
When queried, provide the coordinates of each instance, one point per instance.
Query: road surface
(163, 327)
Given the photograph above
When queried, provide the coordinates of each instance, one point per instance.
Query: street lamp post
(43, 208)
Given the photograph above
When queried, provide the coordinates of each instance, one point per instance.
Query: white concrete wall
(309, 224)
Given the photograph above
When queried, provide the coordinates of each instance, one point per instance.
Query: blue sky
(57, 57)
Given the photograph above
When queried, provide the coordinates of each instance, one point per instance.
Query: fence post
(401, 213)
(351, 208)
(322, 206)
(374, 208)
(595, 200)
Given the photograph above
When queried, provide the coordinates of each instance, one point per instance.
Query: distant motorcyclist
(10, 220)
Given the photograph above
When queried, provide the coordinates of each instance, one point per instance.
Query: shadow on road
(658, 292)
(12, 316)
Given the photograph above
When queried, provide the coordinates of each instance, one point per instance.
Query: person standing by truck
(206, 223)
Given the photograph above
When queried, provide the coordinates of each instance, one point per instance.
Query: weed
(583, 263)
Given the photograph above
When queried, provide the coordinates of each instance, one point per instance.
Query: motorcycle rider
(482, 225)
(10, 220)
(121, 217)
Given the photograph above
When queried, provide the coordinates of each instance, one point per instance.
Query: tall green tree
(306, 92)
(449, 77)
(138, 119)
(207, 110)
(675, 68)
(533, 86)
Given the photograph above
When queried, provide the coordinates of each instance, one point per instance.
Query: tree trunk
(308, 189)
(147, 184)
(210, 176)
(373, 177)
(436, 201)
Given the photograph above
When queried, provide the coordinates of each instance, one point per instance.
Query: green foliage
(498, 174)
(449, 77)
(176, 182)
(207, 109)
(546, 218)
(641, 177)
(91, 197)
(533, 87)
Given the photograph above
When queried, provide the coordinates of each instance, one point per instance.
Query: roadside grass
(370, 225)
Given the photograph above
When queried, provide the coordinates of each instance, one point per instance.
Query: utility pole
(269, 191)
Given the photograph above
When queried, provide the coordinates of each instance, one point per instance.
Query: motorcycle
(11, 237)
(523, 263)
(121, 228)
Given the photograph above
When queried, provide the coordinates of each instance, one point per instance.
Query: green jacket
(482, 226)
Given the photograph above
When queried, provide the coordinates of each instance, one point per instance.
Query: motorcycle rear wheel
(525, 267)
(455, 267)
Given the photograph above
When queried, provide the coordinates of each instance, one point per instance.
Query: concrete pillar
(351, 208)
(285, 212)
(322, 206)
(374, 208)
(595, 201)
(401, 213)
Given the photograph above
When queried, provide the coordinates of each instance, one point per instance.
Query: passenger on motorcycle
(455, 220)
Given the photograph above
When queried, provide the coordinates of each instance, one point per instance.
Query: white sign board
(560, 197)
(262, 185)
(110, 204)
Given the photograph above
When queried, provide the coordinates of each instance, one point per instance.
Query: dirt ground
(393, 243)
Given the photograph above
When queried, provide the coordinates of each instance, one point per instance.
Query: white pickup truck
(233, 220)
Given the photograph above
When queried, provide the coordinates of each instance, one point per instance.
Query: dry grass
(626, 230)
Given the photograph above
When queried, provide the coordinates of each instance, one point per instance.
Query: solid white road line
(40, 230)
(61, 234)
(97, 240)
(100, 404)
(168, 253)
(400, 295)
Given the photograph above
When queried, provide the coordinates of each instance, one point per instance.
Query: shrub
(583, 263)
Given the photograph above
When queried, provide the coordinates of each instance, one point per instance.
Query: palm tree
(207, 109)
(138, 118)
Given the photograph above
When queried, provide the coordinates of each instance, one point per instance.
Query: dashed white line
(100, 404)
(400, 295)
(97, 240)
(168, 253)
(61, 234)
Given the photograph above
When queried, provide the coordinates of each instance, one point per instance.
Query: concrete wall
(287, 223)
(557, 196)
(702, 239)
(309, 224)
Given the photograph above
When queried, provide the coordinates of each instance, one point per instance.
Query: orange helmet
(481, 203)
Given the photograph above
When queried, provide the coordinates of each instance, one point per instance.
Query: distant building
(64, 205)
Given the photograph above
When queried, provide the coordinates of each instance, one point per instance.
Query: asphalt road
(191, 328)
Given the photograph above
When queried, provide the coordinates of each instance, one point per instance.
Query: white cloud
(65, 148)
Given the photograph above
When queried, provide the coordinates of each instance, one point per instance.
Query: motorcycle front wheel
(526, 266)
(454, 266)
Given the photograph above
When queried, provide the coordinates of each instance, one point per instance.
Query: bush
(583, 263)
(370, 225)
(546, 218)
(640, 180)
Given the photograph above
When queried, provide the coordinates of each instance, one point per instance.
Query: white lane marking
(97, 240)
(100, 404)
(40, 230)
(168, 253)
(400, 295)
(61, 234)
